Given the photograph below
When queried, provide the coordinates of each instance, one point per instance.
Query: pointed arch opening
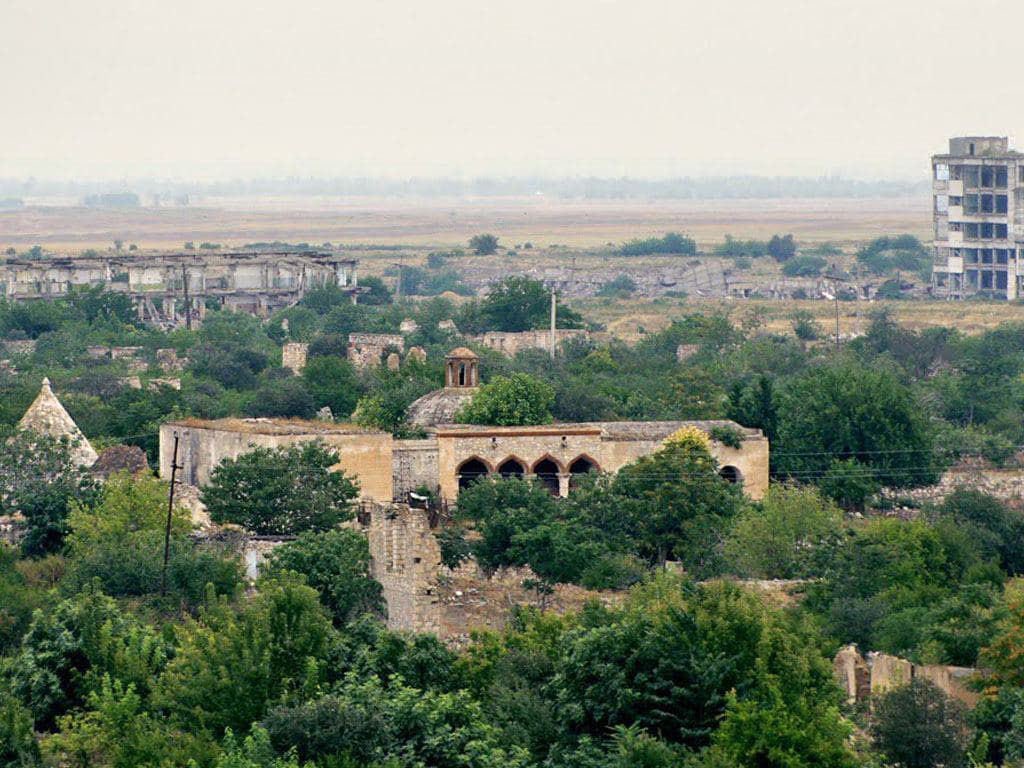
(580, 466)
(470, 471)
(547, 471)
(511, 467)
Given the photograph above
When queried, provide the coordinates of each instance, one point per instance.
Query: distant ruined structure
(174, 289)
(862, 677)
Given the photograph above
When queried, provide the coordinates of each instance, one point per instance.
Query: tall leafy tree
(844, 410)
(285, 490)
(515, 400)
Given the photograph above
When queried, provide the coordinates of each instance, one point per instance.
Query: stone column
(563, 485)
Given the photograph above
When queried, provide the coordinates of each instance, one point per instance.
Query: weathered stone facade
(554, 453)
(46, 416)
(365, 350)
(509, 343)
(362, 453)
(293, 356)
(451, 456)
(860, 677)
(424, 596)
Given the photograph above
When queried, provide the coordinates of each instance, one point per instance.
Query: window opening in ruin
(462, 374)
(470, 471)
(511, 468)
(580, 467)
(547, 472)
(731, 473)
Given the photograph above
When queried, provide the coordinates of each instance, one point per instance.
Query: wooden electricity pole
(170, 513)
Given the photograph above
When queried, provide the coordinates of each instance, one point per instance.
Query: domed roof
(438, 408)
(462, 352)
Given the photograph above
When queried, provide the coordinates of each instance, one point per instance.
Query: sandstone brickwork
(860, 677)
(293, 356)
(363, 453)
(509, 343)
(365, 350)
(46, 416)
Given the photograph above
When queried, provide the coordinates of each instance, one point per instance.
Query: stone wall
(1005, 484)
(365, 350)
(415, 465)
(424, 596)
(293, 356)
(405, 559)
(510, 343)
(607, 445)
(365, 454)
(862, 678)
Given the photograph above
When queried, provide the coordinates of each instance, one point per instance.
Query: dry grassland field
(561, 232)
(439, 223)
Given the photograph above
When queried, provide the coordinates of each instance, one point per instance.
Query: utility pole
(188, 304)
(401, 272)
(835, 280)
(170, 511)
(553, 313)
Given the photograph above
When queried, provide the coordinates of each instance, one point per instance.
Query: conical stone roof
(48, 417)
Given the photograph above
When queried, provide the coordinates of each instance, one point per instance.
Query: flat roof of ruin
(198, 256)
(613, 430)
(263, 426)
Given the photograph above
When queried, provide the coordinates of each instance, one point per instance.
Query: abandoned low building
(175, 288)
(453, 455)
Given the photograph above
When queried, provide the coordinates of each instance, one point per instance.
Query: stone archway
(470, 471)
(731, 474)
(512, 467)
(580, 466)
(547, 473)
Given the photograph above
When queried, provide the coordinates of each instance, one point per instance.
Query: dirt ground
(630, 319)
(439, 223)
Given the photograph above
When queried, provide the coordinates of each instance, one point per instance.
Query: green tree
(119, 543)
(231, 663)
(283, 490)
(782, 247)
(521, 304)
(778, 537)
(337, 565)
(514, 400)
(39, 478)
(286, 397)
(332, 382)
(117, 732)
(918, 726)
(665, 662)
(484, 245)
(18, 746)
(374, 293)
(69, 649)
(789, 715)
(678, 504)
(845, 410)
(501, 510)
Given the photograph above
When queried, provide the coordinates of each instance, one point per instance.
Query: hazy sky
(217, 88)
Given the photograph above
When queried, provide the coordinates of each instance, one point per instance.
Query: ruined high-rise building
(978, 190)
